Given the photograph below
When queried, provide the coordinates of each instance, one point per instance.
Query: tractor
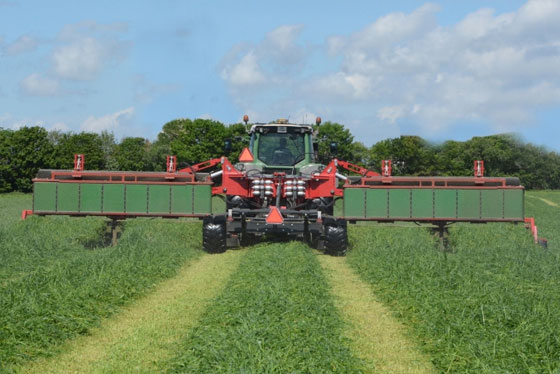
(278, 189)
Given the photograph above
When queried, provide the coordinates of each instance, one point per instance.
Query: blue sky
(441, 70)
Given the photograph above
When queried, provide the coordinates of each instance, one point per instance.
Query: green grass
(547, 218)
(490, 306)
(11, 206)
(276, 316)
(52, 288)
(553, 196)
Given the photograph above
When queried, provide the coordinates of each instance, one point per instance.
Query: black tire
(214, 237)
(336, 240)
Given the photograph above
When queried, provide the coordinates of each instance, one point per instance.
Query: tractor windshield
(281, 148)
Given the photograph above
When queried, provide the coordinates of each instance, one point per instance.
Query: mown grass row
(490, 306)
(52, 288)
(275, 316)
(552, 196)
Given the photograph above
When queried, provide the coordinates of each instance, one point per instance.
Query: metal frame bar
(431, 182)
(66, 176)
(115, 214)
(419, 219)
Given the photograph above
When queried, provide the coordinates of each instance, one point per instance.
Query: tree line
(26, 150)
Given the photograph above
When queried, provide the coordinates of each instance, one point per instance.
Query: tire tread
(214, 237)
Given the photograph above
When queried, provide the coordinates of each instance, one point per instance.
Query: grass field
(396, 303)
(52, 288)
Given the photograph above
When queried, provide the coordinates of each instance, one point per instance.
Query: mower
(277, 188)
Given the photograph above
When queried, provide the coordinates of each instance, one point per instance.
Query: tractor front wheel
(214, 237)
(336, 240)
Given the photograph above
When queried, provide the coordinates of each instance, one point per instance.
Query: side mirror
(227, 146)
(334, 147)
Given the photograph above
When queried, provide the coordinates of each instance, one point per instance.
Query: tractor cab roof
(281, 126)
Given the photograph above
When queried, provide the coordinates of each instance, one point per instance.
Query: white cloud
(246, 72)
(272, 60)
(338, 87)
(391, 113)
(86, 48)
(112, 122)
(406, 70)
(9, 121)
(395, 27)
(280, 48)
(81, 59)
(60, 126)
(24, 43)
(38, 85)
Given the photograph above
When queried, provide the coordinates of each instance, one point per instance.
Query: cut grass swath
(548, 195)
(377, 337)
(275, 316)
(53, 289)
(490, 306)
(146, 333)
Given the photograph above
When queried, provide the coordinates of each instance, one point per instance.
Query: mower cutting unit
(278, 189)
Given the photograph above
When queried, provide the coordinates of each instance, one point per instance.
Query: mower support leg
(443, 234)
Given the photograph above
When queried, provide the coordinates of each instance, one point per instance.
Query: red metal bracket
(171, 164)
(530, 224)
(357, 169)
(79, 162)
(386, 172)
(26, 213)
(478, 171)
(171, 167)
(234, 181)
(386, 168)
(202, 165)
(478, 168)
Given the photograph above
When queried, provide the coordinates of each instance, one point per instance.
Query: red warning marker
(274, 216)
(246, 156)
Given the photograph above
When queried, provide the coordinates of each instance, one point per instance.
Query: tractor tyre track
(378, 338)
(145, 334)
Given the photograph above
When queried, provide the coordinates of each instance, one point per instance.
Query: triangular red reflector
(274, 216)
(246, 156)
